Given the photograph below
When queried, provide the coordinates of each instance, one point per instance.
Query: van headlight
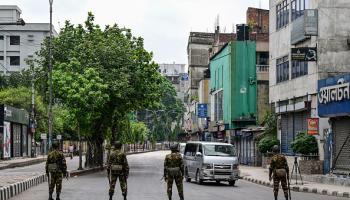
(235, 166)
(207, 166)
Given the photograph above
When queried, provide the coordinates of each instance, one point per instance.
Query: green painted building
(233, 85)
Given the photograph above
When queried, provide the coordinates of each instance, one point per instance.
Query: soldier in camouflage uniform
(56, 168)
(174, 170)
(118, 168)
(279, 172)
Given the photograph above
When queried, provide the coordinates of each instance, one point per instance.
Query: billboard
(334, 96)
(7, 140)
(312, 126)
(308, 54)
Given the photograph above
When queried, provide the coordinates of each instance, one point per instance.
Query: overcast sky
(164, 24)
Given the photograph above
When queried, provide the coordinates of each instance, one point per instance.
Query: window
(1, 57)
(298, 7)
(14, 40)
(219, 114)
(282, 69)
(190, 149)
(299, 68)
(1, 37)
(282, 14)
(15, 61)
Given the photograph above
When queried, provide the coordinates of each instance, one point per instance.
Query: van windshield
(219, 150)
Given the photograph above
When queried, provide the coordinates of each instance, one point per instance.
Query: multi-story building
(18, 44)
(309, 41)
(177, 74)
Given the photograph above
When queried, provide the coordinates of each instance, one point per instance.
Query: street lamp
(50, 78)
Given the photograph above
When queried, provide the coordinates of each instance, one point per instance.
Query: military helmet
(117, 145)
(174, 147)
(276, 149)
(55, 144)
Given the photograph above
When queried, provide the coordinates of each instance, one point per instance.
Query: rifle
(289, 193)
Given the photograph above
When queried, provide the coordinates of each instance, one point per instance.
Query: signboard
(184, 77)
(334, 96)
(312, 126)
(202, 110)
(311, 22)
(308, 54)
(59, 137)
(43, 136)
(7, 140)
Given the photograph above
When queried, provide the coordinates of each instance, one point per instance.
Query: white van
(209, 161)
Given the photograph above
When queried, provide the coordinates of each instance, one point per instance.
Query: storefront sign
(312, 126)
(308, 54)
(7, 140)
(334, 96)
(43, 136)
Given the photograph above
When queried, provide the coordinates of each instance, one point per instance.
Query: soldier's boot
(110, 196)
(169, 196)
(181, 197)
(276, 197)
(58, 196)
(286, 196)
(50, 196)
(124, 197)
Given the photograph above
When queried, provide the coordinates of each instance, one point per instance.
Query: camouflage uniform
(174, 170)
(118, 168)
(279, 162)
(56, 168)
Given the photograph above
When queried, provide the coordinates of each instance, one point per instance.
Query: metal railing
(262, 68)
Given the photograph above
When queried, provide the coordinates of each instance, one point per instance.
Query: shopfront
(14, 137)
(334, 102)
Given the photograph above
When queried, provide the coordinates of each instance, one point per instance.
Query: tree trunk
(80, 150)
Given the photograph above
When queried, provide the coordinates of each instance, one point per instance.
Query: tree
(119, 61)
(265, 145)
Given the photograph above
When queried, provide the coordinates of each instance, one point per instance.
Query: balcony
(262, 72)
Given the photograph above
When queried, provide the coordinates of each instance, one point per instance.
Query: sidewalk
(260, 176)
(21, 162)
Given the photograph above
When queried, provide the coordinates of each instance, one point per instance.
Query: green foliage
(270, 124)
(265, 145)
(305, 144)
(139, 132)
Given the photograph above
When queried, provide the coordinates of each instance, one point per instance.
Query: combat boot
(50, 197)
(110, 196)
(58, 196)
(124, 197)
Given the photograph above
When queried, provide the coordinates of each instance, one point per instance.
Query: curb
(302, 188)
(14, 189)
(23, 164)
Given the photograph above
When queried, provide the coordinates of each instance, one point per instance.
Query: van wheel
(232, 183)
(198, 179)
(187, 177)
(218, 182)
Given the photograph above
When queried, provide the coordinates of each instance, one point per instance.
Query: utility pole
(50, 79)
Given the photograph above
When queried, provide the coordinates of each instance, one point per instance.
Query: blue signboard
(334, 96)
(202, 110)
(184, 77)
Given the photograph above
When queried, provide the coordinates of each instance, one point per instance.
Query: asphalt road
(145, 184)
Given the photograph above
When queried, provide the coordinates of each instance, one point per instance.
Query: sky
(164, 24)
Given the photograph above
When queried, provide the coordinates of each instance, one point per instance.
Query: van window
(190, 149)
(219, 150)
(200, 150)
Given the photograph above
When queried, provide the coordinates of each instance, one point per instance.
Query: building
(15, 138)
(177, 75)
(301, 33)
(233, 89)
(18, 44)
(334, 102)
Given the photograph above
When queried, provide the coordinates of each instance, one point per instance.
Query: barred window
(298, 7)
(282, 14)
(299, 68)
(282, 69)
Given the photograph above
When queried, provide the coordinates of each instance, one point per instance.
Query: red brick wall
(259, 18)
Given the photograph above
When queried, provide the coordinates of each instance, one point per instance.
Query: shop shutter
(341, 132)
(16, 140)
(284, 133)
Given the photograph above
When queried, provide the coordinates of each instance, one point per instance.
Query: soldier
(279, 172)
(118, 168)
(56, 168)
(174, 170)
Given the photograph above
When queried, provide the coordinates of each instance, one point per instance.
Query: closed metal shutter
(16, 140)
(341, 132)
(284, 133)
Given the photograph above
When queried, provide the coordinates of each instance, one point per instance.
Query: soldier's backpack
(174, 171)
(52, 168)
(280, 173)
